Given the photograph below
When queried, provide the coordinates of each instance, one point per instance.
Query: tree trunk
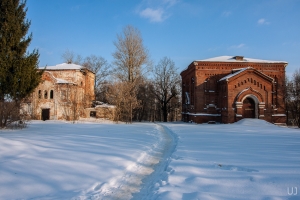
(165, 112)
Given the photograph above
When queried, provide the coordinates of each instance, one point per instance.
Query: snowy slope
(56, 160)
(251, 159)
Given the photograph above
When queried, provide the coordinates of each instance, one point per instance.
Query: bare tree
(130, 55)
(166, 83)
(70, 57)
(145, 110)
(123, 96)
(293, 98)
(100, 67)
(72, 102)
(132, 61)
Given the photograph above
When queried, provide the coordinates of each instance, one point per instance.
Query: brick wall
(264, 82)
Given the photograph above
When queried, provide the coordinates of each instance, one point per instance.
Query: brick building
(65, 92)
(229, 88)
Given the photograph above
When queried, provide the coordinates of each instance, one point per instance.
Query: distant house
(229, 88)
(66, 91)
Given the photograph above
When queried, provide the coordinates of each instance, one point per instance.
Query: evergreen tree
(19, 74)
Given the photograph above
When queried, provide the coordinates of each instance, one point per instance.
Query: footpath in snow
(251, 159)
(141, 179)
(58, 160)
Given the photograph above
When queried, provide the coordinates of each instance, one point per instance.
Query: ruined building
(229, 88)
(65, 92)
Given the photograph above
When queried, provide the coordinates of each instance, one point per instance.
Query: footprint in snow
(235, 168)
(177, 157)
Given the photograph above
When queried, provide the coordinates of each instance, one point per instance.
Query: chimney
(240, 58)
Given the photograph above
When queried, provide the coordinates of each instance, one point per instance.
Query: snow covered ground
(251, 159)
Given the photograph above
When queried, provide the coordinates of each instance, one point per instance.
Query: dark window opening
(51, 94)
(45, 94)
(93, 114)
(40, 94)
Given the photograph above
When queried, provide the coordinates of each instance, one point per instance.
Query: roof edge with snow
(64, 66)
(237, 59)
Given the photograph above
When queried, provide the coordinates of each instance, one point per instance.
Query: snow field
(251, 159)
(57, 160)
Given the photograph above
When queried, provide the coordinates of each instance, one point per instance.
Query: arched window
(45, 94)
(40, 94)
(51, 94)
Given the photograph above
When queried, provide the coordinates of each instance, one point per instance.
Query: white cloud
(156, 10)
(152, 14)
(239, 46)
(263, 21)
(226, 13)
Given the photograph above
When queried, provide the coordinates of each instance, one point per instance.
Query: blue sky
(179, 29)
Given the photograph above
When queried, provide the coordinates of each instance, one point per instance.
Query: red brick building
(229, 88)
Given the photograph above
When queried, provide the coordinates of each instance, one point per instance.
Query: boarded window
(63, 94)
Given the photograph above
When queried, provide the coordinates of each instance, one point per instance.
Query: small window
(51, 94)
(93, 114)
(45, 94)
(63, 94)
(40, 94)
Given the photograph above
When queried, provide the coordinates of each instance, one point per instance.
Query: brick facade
(226, 89)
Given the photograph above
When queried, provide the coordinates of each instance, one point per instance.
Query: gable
(246, 73)
(47, 76)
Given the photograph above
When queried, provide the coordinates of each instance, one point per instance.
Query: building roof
(238, 71)
(63, 66)
(237, 59)
(62, 81)
(234, 74)
(58, 80)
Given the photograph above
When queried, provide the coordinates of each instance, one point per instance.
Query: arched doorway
(248, 108)
(45, 114)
